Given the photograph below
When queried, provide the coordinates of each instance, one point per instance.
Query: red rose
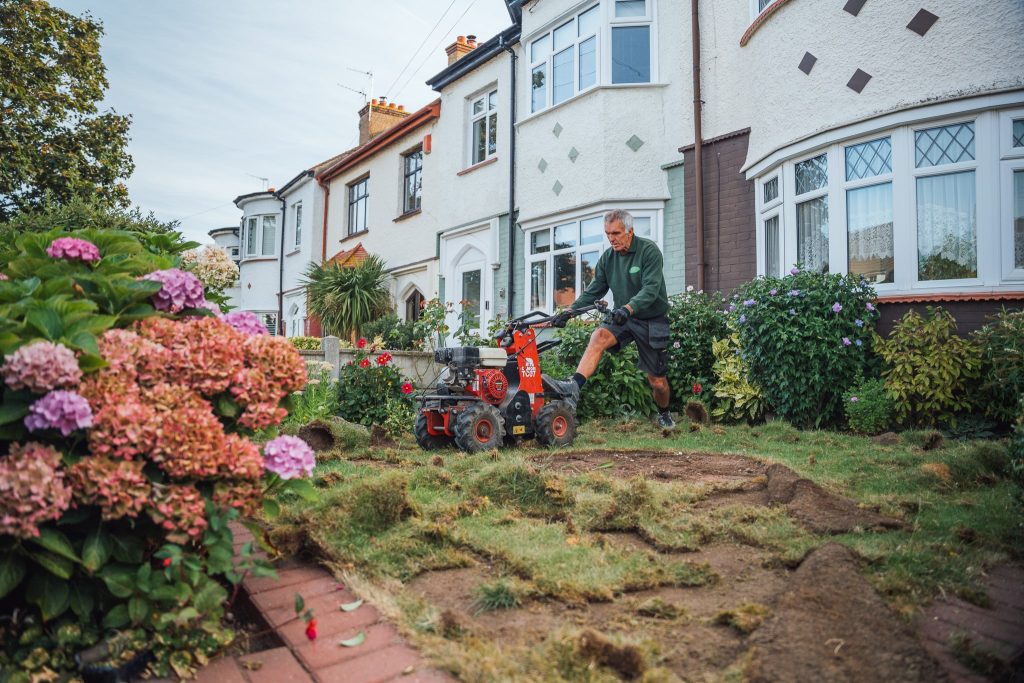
(384, 359)
(697, 388)
(361, 343)
(167, 562)
(364, 363)
(311, 629)
(407, 388)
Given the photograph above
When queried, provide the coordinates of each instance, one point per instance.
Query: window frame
(633, 22)
(353, 201)
(252, 234)
(811, 195)
(486, 113)
(548, 257)
(1011, 160)
(766, 210)
(297, 223)
(756, 10)
(841, 203)
(547, 58)
(418, 172)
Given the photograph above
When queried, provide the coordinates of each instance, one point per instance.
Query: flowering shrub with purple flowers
(806, 338)
(127, 411)
(696, 319)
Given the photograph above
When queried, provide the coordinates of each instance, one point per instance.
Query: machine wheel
(556, 424)
(479, 427)
(426, 440)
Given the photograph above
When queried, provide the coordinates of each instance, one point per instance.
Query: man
(633, 270)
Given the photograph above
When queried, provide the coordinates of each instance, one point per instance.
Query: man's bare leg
(660, 389)
(600, 341)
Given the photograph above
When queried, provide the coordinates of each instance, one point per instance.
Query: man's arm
(650, 281)
(597, 288)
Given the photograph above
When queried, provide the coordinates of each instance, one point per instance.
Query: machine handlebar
(536, 318)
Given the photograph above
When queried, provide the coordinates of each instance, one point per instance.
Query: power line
(414, 54)
(434, 49)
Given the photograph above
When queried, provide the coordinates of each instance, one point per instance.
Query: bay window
(259, 236)
(929, 205)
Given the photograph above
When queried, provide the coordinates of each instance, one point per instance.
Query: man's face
(618, 236)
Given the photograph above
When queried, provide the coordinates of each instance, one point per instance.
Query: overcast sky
(222, 93)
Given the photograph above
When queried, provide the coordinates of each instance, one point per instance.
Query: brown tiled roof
(350, 258)
(323, 165)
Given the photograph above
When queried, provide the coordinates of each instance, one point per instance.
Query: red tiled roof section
(963, 296)
(350, 258)
(419, 118)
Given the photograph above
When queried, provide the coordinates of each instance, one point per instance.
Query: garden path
(382, 657)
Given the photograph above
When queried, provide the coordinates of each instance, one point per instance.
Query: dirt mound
(678, 466)
(830, 625)
(817, 509)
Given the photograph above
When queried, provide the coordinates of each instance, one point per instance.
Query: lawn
(641, 555)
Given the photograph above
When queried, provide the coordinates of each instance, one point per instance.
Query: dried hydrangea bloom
(40, 367)
(180, 510)
(123, 429)
(246, 496)
(32, 489)
(245, 321)
(73, 249)
(179, 290)
(288, 457)
(204, 353)
(118, 487)
(64, 411)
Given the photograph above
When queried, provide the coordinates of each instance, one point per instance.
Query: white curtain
(812, 234)
(869, 225)
(947, 235)
(1018, 219)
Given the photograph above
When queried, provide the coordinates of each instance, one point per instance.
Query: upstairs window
(412, 184)
(631, 42)
(569, 54)
(297, 211)
(484, 127)
(358, 202)
(259, 236)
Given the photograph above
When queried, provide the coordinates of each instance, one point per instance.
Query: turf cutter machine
(488, 396)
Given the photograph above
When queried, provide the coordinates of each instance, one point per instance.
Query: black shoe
(666, 422)
(569, 390)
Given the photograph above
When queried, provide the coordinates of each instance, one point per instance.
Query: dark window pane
(479, 140)
(588, 261)
(538, 285)
(565, 279)
(869, 159)
(1018, 219)
(631, 54)
(771, 190)
(944, 145)
(492, 133)
(771, 247)
(471, 297)
(540, 241)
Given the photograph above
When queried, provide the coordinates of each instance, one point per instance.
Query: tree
(345, 298)
(54, 141)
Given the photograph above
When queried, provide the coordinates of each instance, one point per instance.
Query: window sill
(485, 162)
(589, 91)
(293, 252)
(256, 259)
(985, 295)
(355, 234)
(407, 214)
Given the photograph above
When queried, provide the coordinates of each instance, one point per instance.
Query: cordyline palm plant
(347, 298)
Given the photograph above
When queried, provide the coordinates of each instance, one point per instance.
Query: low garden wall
(418, 366)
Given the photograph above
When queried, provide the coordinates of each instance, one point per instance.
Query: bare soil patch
(830, 625)
(711, 468)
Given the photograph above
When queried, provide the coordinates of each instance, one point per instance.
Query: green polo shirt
(636, 277)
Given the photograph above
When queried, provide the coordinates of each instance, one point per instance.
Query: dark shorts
(651, 337)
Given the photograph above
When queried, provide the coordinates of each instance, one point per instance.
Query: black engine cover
(460, 356)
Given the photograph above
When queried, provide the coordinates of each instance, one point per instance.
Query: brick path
(997, 630)
(384, 656)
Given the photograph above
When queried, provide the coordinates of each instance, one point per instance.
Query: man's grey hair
(619, 215)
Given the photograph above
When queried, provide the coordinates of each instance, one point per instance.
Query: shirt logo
(634, 270)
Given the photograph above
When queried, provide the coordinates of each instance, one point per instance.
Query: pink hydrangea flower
(65, 411)
(210, 306)
(3, 276)
(245, 321)
(41, 367)
(288, 457)
(180, 290)
(73, 249)
(32, 489)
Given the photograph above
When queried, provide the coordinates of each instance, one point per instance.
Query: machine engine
(467, 366)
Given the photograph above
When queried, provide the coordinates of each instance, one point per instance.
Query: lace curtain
(947, 235)
(869, 226)
(812, 234)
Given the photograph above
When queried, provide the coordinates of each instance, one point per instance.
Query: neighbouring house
(382, 199)
(884, 139)
(471, 189)
(260, 247)
(226, 238)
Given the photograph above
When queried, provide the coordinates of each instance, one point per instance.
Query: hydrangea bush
(212, 266)
(126, 418)
(805, 338)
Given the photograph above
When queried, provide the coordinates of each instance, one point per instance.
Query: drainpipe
(280, 265)
(511, 174)
(698, 152)
(327, 203)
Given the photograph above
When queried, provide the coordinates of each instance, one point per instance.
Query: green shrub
(366, 385)
(318, 400)
(928, 368)
(1001, 344)
(806, 339)
(305, 343)
(396, 335)
(868, 407)
(735, 398)
(1016, 452)
(696, 319)
(347, 298)
(617, 387)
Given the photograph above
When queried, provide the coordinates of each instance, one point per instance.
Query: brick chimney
(377, 117)
(462, 46)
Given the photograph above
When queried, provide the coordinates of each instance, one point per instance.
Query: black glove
(620, 315)
(562, 318)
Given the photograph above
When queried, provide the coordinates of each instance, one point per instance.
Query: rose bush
(370, 388)
(126, 414)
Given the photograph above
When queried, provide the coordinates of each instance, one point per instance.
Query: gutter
(698, 156)
(511, 173)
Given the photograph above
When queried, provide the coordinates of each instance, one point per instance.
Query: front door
(467, 273)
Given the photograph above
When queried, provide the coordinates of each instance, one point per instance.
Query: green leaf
(271, 508)
(47, 321)
(14, 407)
(138, 610)
(56, 543)
(127, 548)
(49, 593)
(12, 571)
(227, 407)
(351, 606)
(97, 550)
(209, 597)
(300, 604)
(83, 599)
(119, 578)
(117, 617)
(355, 640)
(55, 564)
(303, 488)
